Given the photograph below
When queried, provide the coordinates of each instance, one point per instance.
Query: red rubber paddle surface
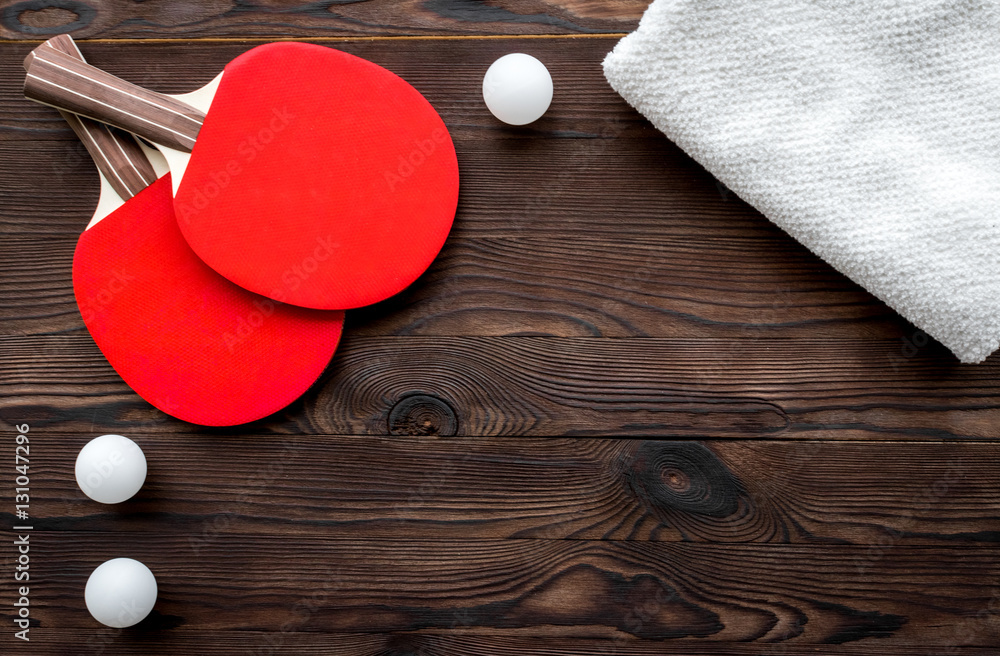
(183, 337)
(318, 179)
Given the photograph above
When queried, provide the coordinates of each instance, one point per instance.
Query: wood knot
(685, 477)
(39, 17)
(675, 479)
(421, 414)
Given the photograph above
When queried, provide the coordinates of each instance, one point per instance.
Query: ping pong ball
(110, 469)
(120, 593)
(517, 89)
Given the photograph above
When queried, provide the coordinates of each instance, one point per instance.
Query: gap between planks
(281, 533)
(402, 37)
(224, 432)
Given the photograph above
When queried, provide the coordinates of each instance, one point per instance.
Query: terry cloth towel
(869, 130)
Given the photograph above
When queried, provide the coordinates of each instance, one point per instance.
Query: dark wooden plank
(502, 286)
(449, 72)
(36, 286)
(809, 593)
(304, 642)
(656, 192)
(719, 492)
(586, 225)
(554, 173)
(621, 234)
(32, 19)
(542, 386)
(656, 286)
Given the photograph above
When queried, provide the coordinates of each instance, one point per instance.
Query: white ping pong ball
(110, 469)
(120, 593)
(517, 89)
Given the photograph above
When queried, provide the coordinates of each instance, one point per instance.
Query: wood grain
(541, 244)
(509, 286)
(477, 471)
(567, 489)
(811, 594)
(31, 19)
(447, 643)
(116, 155)
(543, 386)
(449, 72)
(61, 80)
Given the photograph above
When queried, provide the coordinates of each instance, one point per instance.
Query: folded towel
(869, 130)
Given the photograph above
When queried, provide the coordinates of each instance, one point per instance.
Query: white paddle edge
(107, 203)
(200, 99)
(163, 161)
(155, 157)
(176, 160)
(109, 199)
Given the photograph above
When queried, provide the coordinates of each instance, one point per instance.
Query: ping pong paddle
(121, 176)
(183, 337)
(315, 177)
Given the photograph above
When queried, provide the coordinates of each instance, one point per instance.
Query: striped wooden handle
(117, 155)
(63, 81)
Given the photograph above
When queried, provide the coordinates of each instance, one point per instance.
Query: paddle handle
(63, 81)
(117, 155)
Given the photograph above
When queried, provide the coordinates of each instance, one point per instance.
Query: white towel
(869, 130)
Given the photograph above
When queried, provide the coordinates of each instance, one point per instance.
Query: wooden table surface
(621, 414)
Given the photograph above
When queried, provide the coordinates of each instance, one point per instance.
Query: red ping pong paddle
(316, 177)
(183, 337)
